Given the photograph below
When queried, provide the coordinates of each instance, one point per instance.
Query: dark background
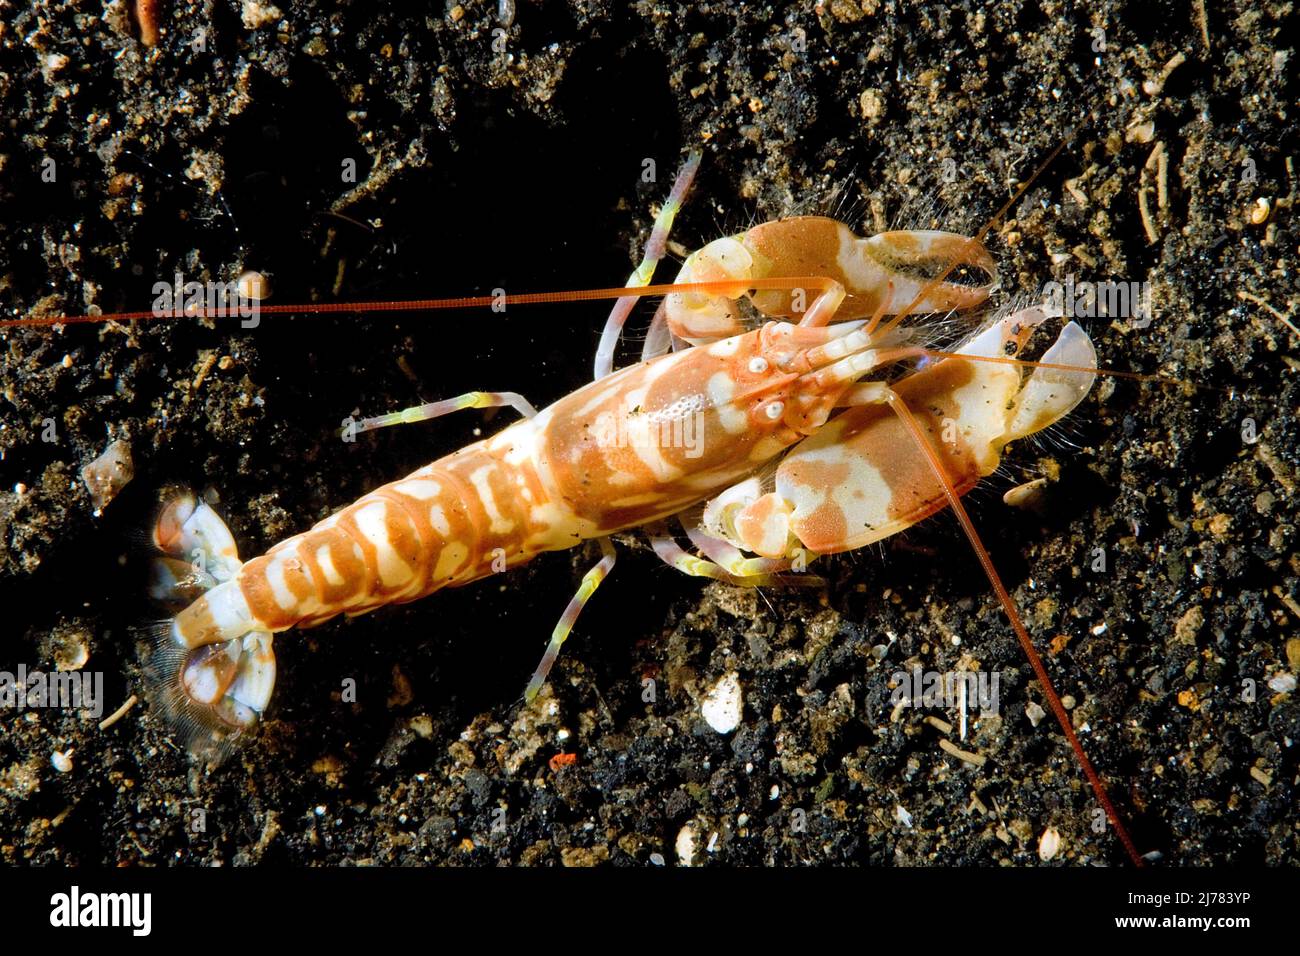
(523, 171)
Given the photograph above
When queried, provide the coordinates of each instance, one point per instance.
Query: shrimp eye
(758, 365)
(774, 410)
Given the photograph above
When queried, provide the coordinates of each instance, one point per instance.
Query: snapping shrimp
(545, 483)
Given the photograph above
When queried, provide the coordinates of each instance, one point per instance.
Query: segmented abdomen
(582, 468)
(451, 522)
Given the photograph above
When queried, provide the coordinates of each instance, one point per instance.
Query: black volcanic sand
(522, 169)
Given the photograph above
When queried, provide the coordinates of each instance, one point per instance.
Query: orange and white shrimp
(545, 483)
(605, 458)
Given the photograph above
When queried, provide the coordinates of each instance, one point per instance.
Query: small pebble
(108, 474)
(724, 704)
(1282, 683)
(872, 105)
(1027, 495)
(257, 15)
(1189, 625)
(69, 648)
(1140, 132)
(685, 845)
(1034, 712)
(255, 286)
(62, 761)
(1049, 844)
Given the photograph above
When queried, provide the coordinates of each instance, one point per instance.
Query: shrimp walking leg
(675, 556)
(423, 413)
(590, 581)
(604, 365)
(731, 559)
(654, 251)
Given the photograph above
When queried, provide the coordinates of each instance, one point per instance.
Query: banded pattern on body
(610, 456)
(595, 462)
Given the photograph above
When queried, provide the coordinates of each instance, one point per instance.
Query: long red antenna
(734, 287)
(1013, 614)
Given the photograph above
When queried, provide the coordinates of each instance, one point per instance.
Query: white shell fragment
(62, 762)
(1034, 712)
(1027, 495)
(108, 474)
(685, 845)
(723, 704)
(1049, 844)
